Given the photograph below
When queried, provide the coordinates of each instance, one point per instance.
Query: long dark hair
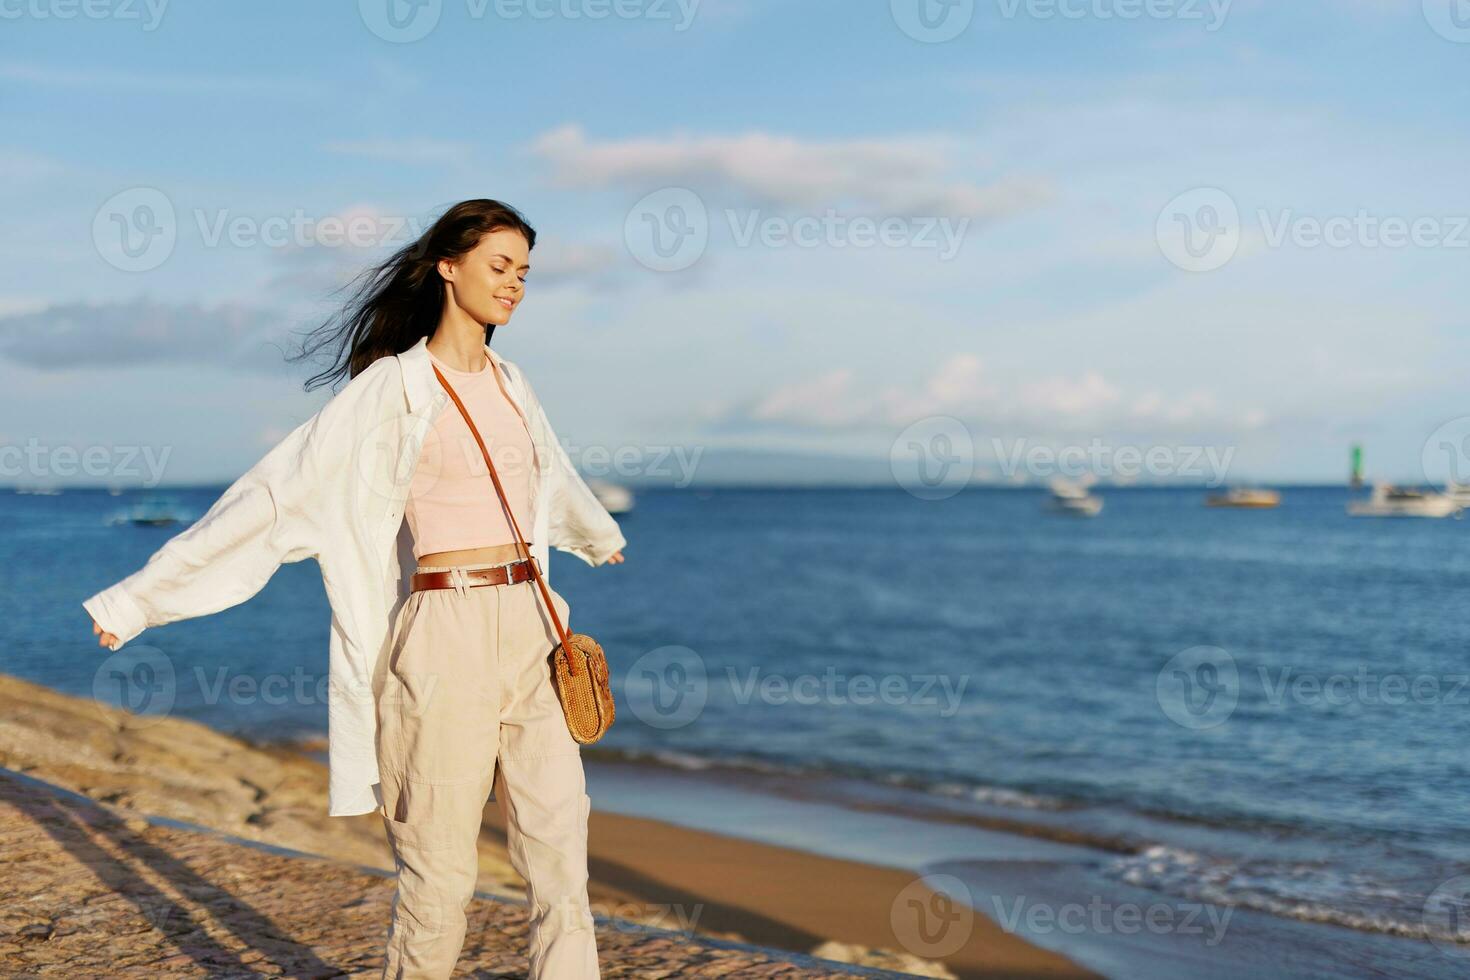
(401, 300)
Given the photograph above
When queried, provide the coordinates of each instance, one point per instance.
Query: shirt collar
(419, 384)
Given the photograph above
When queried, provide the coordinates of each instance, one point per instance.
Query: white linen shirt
(334, 490)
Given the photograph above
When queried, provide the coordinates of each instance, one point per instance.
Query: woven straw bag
(578, 665)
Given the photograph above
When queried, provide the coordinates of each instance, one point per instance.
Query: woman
(440, 686)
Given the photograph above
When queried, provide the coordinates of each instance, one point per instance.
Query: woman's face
(488, 282)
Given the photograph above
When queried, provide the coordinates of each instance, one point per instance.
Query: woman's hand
(104, 638)
(615, 558)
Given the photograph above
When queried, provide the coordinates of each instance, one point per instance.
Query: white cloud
(140, 333)
(837, 399)
(896, 175)
(1079, 398)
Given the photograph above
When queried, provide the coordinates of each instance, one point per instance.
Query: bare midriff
(495, 554)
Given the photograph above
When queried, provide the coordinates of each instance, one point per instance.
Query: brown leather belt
(508, 574)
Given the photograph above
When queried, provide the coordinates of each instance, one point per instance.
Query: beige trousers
(466, 702)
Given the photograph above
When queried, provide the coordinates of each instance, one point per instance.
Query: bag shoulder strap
(561, 631)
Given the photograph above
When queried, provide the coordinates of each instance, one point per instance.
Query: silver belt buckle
(508, 566)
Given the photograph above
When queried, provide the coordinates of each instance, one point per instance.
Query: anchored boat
(1069, 498)
(1244, 497)
(151, 512)
(1391, 501)
(616, 499)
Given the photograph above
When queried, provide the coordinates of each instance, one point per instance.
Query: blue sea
(1266, 711)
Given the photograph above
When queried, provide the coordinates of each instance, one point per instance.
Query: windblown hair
(401, 300)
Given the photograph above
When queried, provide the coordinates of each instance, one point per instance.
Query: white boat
(617, 499)
(151, 512)
(1069, 498)
(1391, 501)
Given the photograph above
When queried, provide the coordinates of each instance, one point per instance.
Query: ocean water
(1265, 710)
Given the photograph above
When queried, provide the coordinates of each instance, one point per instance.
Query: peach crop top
(452, 503)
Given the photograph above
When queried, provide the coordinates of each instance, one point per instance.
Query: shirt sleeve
(276, 512)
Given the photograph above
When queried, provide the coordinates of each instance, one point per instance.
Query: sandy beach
(786, 898)
(645, 871)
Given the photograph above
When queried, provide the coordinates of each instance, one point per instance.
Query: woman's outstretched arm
(276, 512)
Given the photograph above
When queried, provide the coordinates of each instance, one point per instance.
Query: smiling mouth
(507, 303)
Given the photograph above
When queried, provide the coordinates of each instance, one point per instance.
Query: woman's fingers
(104, 638)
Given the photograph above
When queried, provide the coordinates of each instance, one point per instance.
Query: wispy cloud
(1089, 403)
(311, 272)
(142, 333)
(898, 175)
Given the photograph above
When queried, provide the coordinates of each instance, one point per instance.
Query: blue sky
(1037, 175)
